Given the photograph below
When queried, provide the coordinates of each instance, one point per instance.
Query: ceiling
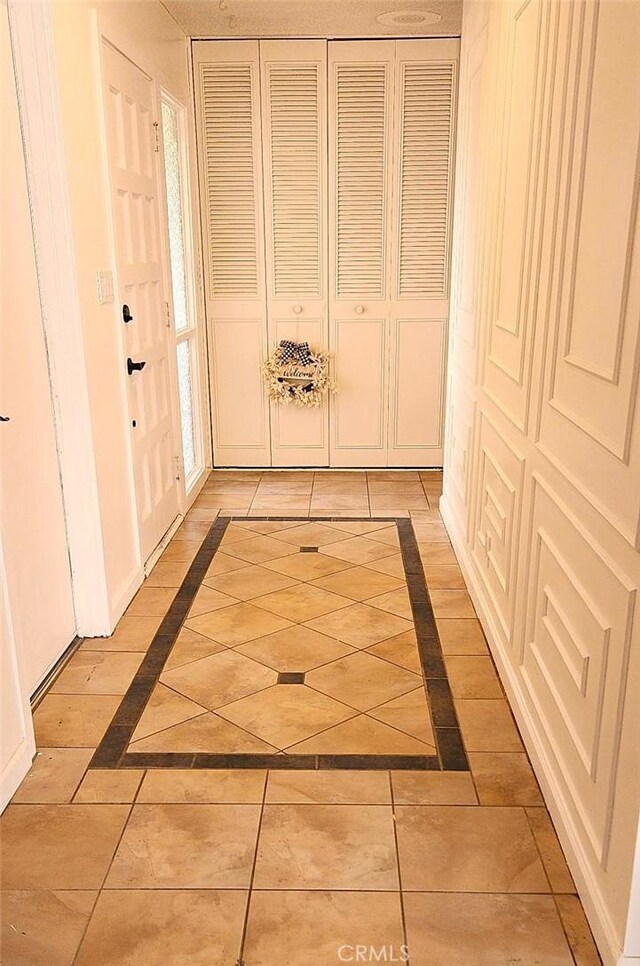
(317, 18)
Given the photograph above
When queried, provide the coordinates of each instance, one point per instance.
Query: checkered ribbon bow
(299, 351)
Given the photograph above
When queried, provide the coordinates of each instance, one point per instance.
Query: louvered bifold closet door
(360, 129)
(425, 103)
(227, 90)
(294, 121)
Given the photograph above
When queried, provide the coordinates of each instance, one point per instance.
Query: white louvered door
(425, 92)
(227, 84)
(295, 165)
(361, 125)
(347, 148)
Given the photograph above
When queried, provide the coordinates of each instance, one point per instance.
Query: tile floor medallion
(293, 644)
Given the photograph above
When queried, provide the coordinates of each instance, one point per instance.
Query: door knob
(134, 366)
(4, 419)
(126, 314)
(359, 309)
(297, 309)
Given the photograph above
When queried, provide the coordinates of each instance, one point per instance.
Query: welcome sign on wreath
(295, 374)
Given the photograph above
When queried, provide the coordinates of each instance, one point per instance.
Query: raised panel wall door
(294, 141)
(227, 84)
(131, 141)
(361, 123)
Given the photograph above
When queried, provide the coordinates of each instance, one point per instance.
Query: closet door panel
(299, 434)
(359, 412)
(360, 157)
(227, 83)
(416, 402)
(294, 118)
(425, 103)
(239, 409)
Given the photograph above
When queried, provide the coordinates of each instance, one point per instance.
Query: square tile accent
(336, 608)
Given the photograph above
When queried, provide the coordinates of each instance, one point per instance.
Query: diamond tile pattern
(260, 548)
(301, 602)
(286, 714)
(360, 625)
(339, 616)
(358, 550)
(363, 681)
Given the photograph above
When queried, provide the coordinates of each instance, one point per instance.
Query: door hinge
(178, 467)
(167, 315)
(156, 128)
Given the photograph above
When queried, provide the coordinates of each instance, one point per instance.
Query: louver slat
(295, 179)
(427, 95)
(361, 96)
(227, 108)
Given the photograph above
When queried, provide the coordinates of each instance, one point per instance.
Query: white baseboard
(592, 899)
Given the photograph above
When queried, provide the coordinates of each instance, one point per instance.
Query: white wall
(542, 481)
(146, 33)
(31, 508)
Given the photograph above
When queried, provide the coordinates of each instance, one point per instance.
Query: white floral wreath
(295, 374)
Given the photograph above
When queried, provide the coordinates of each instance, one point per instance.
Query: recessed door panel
(358, 411)
(240, 416)
(416, 401)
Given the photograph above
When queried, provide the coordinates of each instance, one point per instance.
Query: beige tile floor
(226, 867)
(327, 616)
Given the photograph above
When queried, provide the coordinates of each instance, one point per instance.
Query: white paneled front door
(131, 135)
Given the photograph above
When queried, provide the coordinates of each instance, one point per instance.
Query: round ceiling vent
(408, 18)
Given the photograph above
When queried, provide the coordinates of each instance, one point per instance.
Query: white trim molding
(15, 702)
(36, 81)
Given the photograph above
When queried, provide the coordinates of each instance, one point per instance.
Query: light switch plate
(105, 286)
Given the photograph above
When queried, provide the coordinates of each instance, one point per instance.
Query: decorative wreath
(295, 374)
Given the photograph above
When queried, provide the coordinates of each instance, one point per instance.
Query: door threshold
(53, 673)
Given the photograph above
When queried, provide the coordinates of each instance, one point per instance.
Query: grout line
(245, 924)
(86, 925)
(397, 848)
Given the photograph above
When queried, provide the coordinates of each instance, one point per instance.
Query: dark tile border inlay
(112, 751)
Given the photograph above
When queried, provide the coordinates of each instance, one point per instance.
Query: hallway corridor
(404, 824)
